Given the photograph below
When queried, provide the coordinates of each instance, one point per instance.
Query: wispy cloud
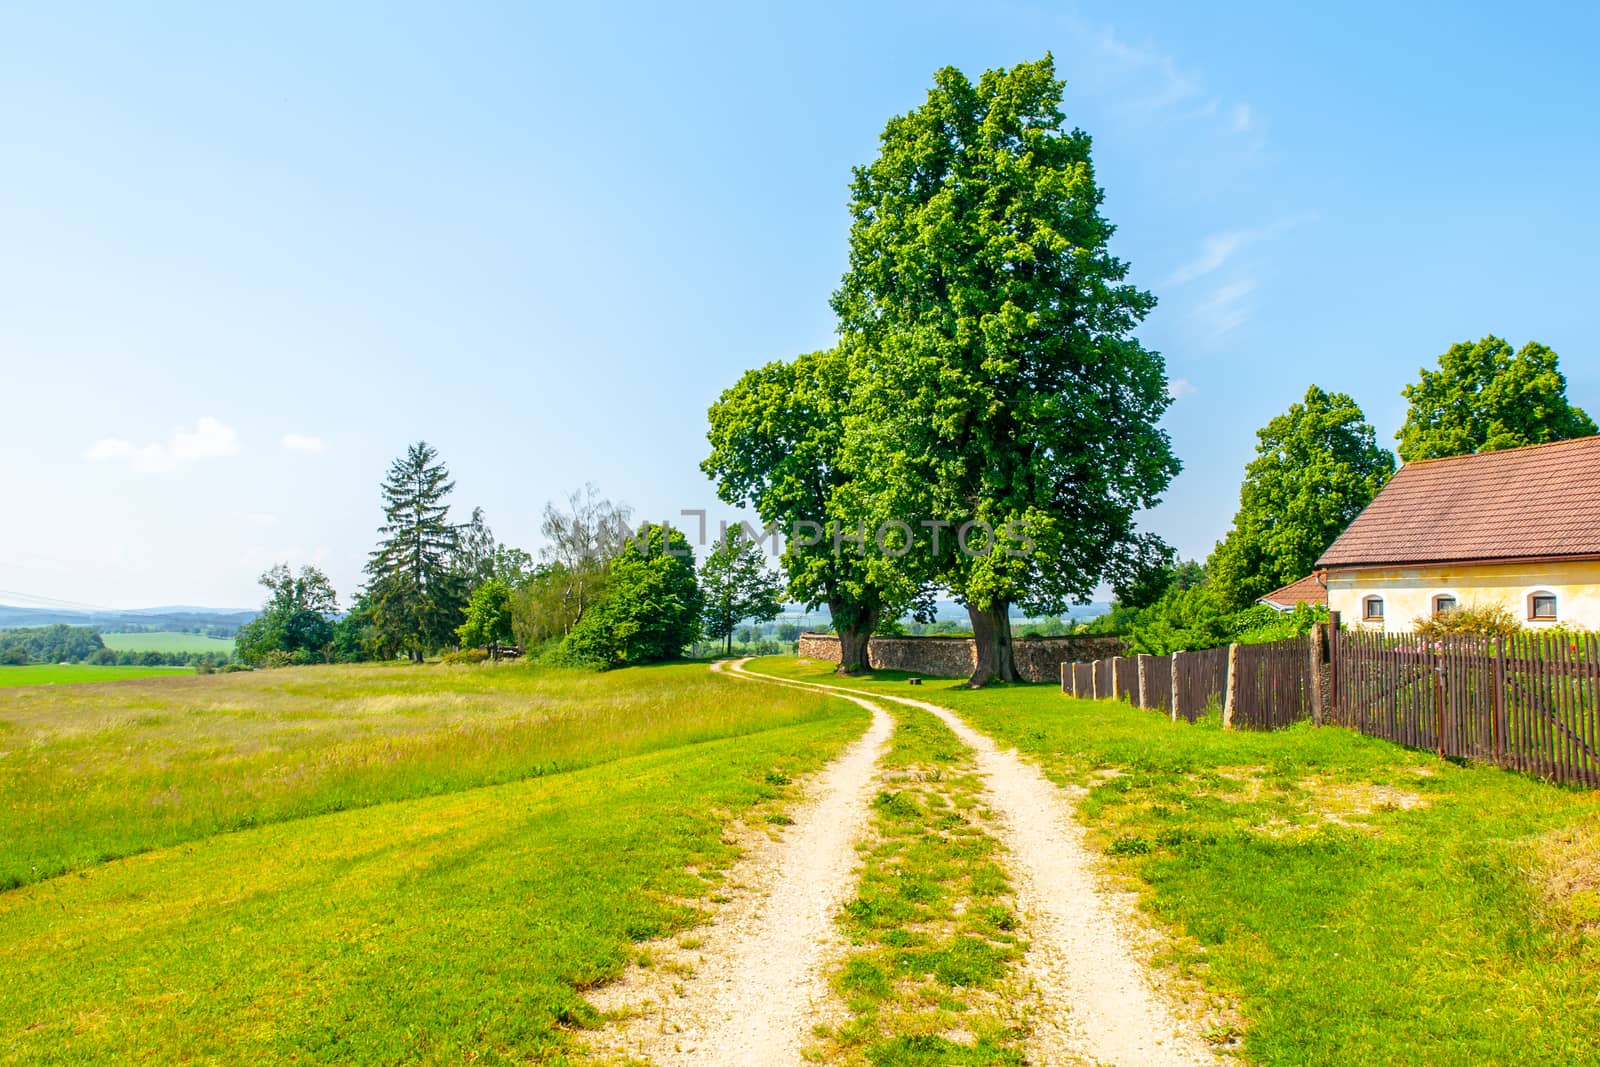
(299, 442)
(1164, 83)
(1178, 388)
(210, 439)
(1226, 308)
(1219, 248)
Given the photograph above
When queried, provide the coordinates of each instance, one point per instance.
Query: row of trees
(1317, 466)
(602, 593)
(986, 379)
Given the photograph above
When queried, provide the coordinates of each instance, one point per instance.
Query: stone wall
(1039, 659)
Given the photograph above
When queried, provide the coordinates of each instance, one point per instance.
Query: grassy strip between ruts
(933, 932)
(91, 773)
(1362, 903)
(444, 929)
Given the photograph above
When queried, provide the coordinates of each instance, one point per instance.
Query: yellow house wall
(1408, 592)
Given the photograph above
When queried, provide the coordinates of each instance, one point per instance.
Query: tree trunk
(991, 632)
(853, 639)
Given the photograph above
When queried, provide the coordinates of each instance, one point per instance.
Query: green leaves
(999, 379)
(1484, 398)
(1316, 466)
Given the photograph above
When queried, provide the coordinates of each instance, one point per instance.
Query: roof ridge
(1500, 451)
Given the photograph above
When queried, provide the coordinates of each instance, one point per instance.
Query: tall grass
(91, 773)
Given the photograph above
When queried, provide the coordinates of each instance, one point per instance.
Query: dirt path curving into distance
(1098, 1001)
(759, 982)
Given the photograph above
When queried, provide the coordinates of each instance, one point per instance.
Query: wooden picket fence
(1274, 688)
(1529, 701)
(1183, 685)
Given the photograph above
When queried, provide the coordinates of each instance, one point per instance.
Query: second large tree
(1000, 381)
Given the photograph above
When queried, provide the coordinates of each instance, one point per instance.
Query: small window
(1372, 609)
(1542, 607)
(1443, 602)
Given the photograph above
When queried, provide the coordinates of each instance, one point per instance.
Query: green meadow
(430, 864)
(79, 674)
(167, 641)
(1357, 901)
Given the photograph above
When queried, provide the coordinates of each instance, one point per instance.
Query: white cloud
(210, 439)
(1178, 388)
(1226, 309)
(299, 442)
(1163, 82)
(1243, 118)
(1219, 248)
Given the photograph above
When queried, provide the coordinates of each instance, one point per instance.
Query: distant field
(514, 831)
(78, 674)
(165, 641)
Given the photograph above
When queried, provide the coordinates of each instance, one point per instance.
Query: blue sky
(247, 255)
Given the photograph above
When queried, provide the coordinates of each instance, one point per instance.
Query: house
(1519, 528)
(1308, 590)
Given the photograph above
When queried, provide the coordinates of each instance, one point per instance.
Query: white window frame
(1366, 608)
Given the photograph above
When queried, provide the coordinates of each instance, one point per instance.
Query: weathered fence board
(1101, 684)
(1157, 687)
(1125, 678)
(1274, 688)
(1202, 679)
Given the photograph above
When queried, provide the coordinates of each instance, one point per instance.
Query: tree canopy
(777, 445)
(1483, 398)
(296, 620)
(1001, 384)
(488, 620)
(1316, 466)
(651, 609)
(736, 585)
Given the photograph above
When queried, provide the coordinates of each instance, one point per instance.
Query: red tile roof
(1522, 503)
(1306, 591)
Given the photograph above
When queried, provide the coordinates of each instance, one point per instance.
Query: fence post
(1065, 673)
(1144, 680)
(1233, 687)
(1094, 678)
(1116, 661)
(1173, 703)
(1314, 641)
(1333, 664)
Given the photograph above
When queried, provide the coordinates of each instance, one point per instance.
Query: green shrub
(466, 656)
(1469, 620)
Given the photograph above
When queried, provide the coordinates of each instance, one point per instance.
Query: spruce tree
(415, 592)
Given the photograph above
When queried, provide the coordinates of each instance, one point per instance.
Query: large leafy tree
(777, 445)
(1483, 397)
(1002, 383)
(296, 620)
(1316, 466)
(651, 608)
(488, 621)
(736, 585)
(416, 591)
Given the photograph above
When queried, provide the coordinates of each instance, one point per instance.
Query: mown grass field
(168, 641)
(1360, 902)
(79, 674)
(514, 832)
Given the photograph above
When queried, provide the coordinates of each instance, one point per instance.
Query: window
(1372, 609)
(1542, 607)
(1443, 602)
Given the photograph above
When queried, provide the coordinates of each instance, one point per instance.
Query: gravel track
(759, 978)
(1098, 1001)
